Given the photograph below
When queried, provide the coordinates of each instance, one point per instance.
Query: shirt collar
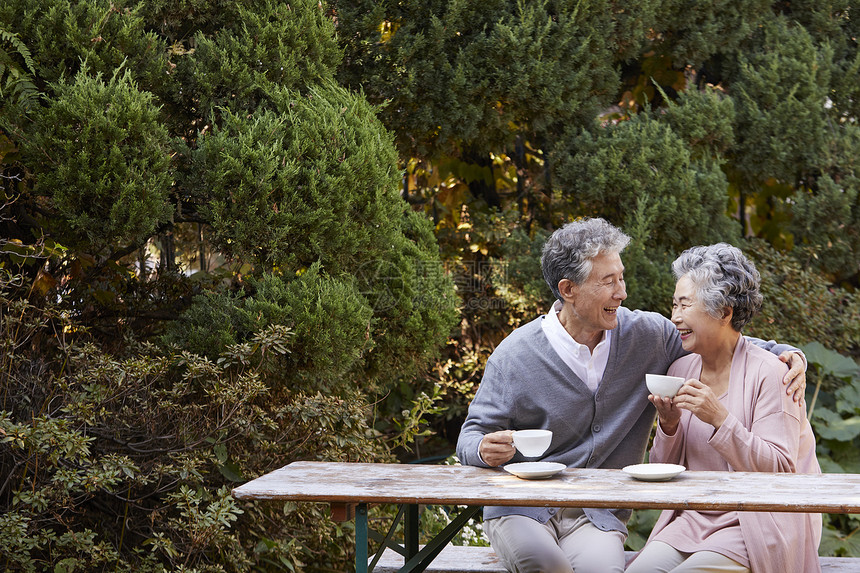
(558, 330)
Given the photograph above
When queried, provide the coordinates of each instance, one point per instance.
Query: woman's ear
(728, 313)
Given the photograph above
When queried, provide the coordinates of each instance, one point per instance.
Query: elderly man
(578, 371)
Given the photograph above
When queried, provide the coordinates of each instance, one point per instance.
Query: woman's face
(699, 330)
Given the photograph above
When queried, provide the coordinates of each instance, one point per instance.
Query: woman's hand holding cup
(668, 414)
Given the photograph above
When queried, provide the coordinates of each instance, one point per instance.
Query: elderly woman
(731, 415)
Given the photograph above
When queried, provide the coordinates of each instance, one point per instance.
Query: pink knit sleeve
(668, 449)
(771, 444)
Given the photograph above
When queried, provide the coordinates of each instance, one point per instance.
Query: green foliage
(639, 528)
(826, 215)
(641, 168)
(461, 74)
(697, 30)
(260, 45)
(329, 320)
(703, 119)
(799, 304)
(647, 271)
(830, 23)
(146, 370)
(213, 321)
(834, 411)
(16, 81)
(780, 88)
(276, 184)
(273, 177)
(104, 160)
(835, 540)
(520, 279)
(121, 462)
(62, 34)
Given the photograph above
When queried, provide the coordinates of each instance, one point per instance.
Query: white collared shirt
(585, 364)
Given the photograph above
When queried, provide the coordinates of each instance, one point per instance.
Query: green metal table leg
(416, 560)
(419, 562)
(410, 530)
(361, 538)
(385, 542)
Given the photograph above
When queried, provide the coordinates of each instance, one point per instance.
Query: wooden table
(348, 485)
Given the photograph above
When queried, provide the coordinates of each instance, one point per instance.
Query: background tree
(464, 80)
(699, 123)
(207, 271)
(137, 386)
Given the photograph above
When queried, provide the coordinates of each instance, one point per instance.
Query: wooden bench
(460, 559)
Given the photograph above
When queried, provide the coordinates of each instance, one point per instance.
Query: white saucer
(534, 470)
(653, 472)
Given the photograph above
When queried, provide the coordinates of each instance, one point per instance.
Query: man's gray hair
(569, 251)
(723, 278)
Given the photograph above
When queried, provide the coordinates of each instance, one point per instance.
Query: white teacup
(532, 443)
(665, 386)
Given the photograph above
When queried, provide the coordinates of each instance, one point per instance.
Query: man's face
(596, 301)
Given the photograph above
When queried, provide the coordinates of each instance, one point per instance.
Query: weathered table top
(340, 483)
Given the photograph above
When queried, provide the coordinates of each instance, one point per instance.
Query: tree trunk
(168, 252)
(481, 188)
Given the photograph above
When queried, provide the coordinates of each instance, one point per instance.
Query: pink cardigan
(764, 432)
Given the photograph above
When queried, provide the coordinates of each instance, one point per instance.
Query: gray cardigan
(527, 385)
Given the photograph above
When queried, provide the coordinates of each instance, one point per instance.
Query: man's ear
(568, 289)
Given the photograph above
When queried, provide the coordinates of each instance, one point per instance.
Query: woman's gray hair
(723, 278)
(569, 251)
